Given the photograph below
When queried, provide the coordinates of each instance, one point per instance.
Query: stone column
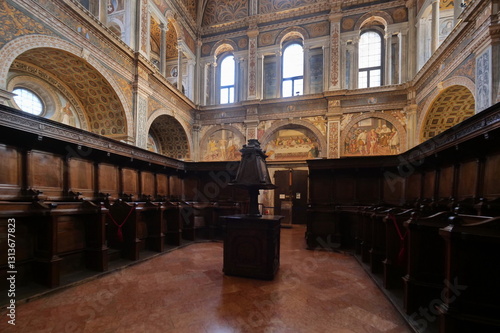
(179, 64)
(307, 71)
(163, 49)
(260, 81)
(335, 74)
(191, 63)
(252, 34)
(205, 99)
(355, 62)
(412, 131)
(325, 67)
(213, 85)
(410, 53)
(278, 74)
(388, 59)
(236, 79)
(435, 26)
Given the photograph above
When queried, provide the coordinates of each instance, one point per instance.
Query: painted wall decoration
(483, 80)
(217, 11)
(271, 6)
(222, 145)
(372, 136)
(292, 144)
(152, 145)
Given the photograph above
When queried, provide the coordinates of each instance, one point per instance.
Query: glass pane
(370, 50)
(287, 88)
(227, 71)
(224, 96)
(293, 61)
(363, 80)
(231, 95)
(375, 78)
(28, 101)
(298, 88)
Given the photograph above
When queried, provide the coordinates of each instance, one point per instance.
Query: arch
(167, 129)
(453, 81)
(172, 19)
(381, 16)
(291, 123)
(383, 115)
(205, 142)
(292, 32)
(449, 107)
(222, 46)
(13, 49)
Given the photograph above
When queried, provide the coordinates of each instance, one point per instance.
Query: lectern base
(252, 246)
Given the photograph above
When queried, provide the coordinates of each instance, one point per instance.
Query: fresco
(292, 144)
(372, 136)
(222, 145)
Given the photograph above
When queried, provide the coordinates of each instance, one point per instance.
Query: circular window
(28, 101)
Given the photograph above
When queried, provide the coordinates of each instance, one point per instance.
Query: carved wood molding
(24, 122)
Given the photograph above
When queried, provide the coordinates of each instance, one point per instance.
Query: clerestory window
(370, 60)
(293, 70)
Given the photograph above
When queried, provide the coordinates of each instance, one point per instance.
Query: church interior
(121, 130)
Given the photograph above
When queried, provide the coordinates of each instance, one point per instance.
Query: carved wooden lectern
(252, 241)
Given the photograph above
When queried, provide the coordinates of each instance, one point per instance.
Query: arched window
(227, 78)
(370, 59)
(293, 70)
(28, 101)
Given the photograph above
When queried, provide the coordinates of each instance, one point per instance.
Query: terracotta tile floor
(186, 291)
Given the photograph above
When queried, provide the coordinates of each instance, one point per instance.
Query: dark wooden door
(291, 186)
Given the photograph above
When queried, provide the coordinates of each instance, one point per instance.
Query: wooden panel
(413, 187)
(393, 188)
(467, 180)
(81, 177)
(491, 173)
(161, 185)
(368, 189)
(429, 184)
(344, 189)
(108, 179)
(10, 173)
(46, 174)
(147, 184)
(130, 182)
(320, 186)
(446, 182)
(175, 186)
(70, 234)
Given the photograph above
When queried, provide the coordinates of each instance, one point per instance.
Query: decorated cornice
(43, 127)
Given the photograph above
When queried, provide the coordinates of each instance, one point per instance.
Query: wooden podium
(252, 246)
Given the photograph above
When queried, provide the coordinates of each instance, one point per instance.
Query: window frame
(40, 99)
(368, 70)
(293, 79)
(220, 87)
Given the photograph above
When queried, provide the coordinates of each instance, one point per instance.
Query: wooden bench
(471, 293)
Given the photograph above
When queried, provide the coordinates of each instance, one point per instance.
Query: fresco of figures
(372, 136)
(222, 145)
(292, 144)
